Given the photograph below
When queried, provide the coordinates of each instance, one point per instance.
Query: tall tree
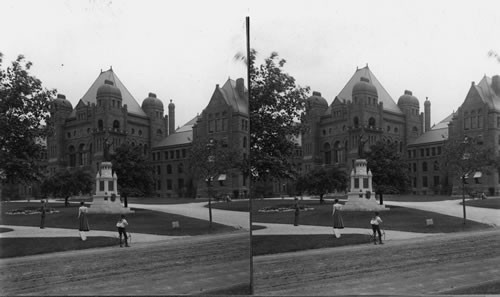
(134, 174)
(390, 172)
(208, 159)
(24, 117)
(321, 181)
(276, 106)
(463, 158)
(67, 183)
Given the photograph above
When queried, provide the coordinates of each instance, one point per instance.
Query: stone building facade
(106, 115)
(225, 119)
(477, 118)
(362, 114)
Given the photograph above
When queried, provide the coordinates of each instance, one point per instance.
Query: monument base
(99, 205)
(357, 203)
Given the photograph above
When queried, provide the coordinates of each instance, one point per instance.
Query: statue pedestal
(361, 196)
(106, 192)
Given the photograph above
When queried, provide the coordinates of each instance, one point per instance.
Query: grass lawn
(16, 247)
(274, 244)
(397, 218)
(486, 203)
(142, 221)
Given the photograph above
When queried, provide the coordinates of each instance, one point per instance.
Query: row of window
(425, 181)
(169, 155)
(369, 101)
(413, 166)
(473, 120)
(114, 103)
(116, 127)
(425, 152)
(180, 169)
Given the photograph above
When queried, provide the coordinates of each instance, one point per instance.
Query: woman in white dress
(84, 222)
(338, 223)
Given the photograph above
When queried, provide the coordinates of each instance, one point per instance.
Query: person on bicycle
(375, 222)
(122, 224)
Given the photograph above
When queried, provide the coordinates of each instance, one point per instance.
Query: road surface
(430, 265)
(188, 265)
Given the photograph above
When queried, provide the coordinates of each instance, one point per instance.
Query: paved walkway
(241, 220)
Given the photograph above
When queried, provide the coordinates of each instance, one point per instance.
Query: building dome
(317, 101)
(61, 103)
(152, 102)
(364, 86)
(408, 99)
(108, 89)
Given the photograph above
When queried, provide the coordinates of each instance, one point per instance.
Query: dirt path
(183, 266)
(426, 265)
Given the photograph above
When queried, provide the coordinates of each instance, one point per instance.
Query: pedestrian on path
(375, 222)
(338, 223)
(84, 222)
(121, 225)
(297, 212)
(43, 211)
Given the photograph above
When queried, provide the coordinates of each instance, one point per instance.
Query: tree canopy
(24, 117)
(276, 106)
(322, 180)
(390, 172)
(134, 174)
(68, 183)
(465, 157)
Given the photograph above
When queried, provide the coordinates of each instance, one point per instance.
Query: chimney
(240, 87)
(427, 114)
(495, 84)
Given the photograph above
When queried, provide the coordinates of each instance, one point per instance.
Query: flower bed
(30, 211)
(285, 209)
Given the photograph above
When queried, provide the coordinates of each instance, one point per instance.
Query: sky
(181, 49)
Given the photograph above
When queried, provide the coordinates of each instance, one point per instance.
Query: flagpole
(250, 178)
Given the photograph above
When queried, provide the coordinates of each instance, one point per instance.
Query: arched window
(424, 166)
(72, 156)
(328, 153)
(244, 142)
(116, 125)
(337, 152)
(414, 130)
(180, 168)
(355, 122)
(81, 155)
(436, 166)
(371, 123)
(169, 169)
(100, 125)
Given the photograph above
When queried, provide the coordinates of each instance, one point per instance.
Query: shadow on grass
(240, 289)
(142, 221)
(17, 247)
(489, 287)
(274, 244)
(493, 203)
(397, 218)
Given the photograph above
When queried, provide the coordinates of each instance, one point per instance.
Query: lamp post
(465, 157)
(211, 160)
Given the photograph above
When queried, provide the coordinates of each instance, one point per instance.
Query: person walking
(338, 223)
(84, 222)
(43, 211)
(297, 212)
(375, 222)
(122, 224)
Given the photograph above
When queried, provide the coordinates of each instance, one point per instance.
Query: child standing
(122, 224)
(375, 222)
